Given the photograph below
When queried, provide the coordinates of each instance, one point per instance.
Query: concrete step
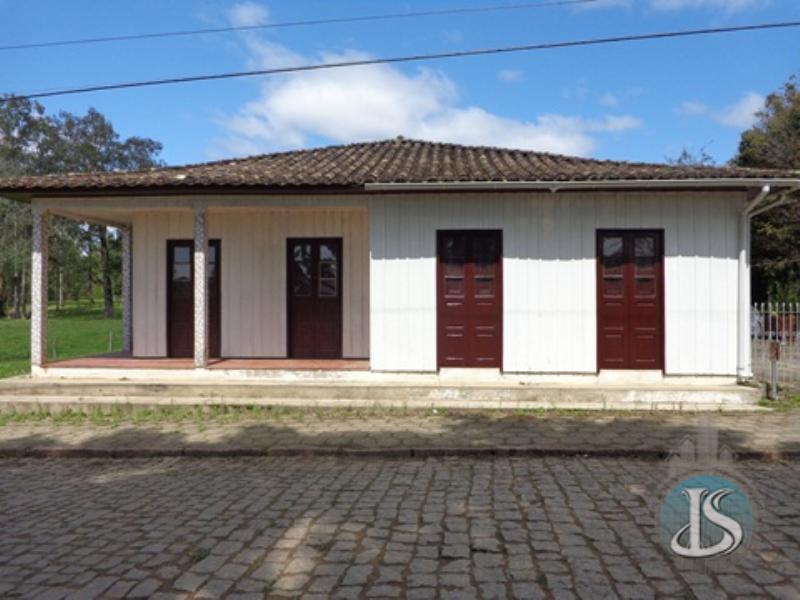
(55, 394)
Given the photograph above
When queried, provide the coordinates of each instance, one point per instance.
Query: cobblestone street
(320, 527)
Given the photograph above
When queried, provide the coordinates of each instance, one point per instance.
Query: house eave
(382, 187)
(556, 186)
(206, 190)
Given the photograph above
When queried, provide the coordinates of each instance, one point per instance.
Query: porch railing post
(127, 300)
(200, 289)
(41, 221)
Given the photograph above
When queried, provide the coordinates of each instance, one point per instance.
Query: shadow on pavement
(654, 433)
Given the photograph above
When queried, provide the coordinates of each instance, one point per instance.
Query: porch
(223, 286)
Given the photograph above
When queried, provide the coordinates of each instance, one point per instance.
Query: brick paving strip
(763, 435)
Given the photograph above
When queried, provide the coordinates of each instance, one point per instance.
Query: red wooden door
(314, 297)
(630, 299)
(470, 299)
(180, 298)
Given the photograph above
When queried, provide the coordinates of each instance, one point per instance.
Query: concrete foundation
(370, 389)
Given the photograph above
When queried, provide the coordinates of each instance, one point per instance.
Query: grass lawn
(77, 330)
(215, 414)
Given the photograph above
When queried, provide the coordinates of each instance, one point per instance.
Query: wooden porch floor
(124, 361)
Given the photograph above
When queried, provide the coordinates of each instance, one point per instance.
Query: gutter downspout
(744, 360)
(785, 198)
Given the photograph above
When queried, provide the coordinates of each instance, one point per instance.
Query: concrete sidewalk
(774, 435)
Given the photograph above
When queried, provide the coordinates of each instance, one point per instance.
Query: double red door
(314, 297)
(630, 299)
(470, 298)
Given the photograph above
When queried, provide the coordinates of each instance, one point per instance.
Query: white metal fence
(776, 323)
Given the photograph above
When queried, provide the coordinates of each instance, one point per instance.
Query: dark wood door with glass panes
(314, 304)
(630, 299)
(470, 298)
(180, 298)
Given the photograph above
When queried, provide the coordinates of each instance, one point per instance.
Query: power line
(304, 23)
(411, 58)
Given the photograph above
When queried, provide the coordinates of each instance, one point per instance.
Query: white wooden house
(409, 256)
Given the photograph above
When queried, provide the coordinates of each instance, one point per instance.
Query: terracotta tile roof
(391, 161)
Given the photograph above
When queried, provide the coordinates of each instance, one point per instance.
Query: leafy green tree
(32, 142)
(90, 143)
(774, 142)
(24, 135)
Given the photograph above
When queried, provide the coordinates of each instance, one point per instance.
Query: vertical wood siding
(150, 234)
(253, 269)
(549, 313)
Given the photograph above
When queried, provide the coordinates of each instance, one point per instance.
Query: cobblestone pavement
(765, 431)
(347, 528)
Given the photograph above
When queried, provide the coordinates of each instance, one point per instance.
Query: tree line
(85, 258)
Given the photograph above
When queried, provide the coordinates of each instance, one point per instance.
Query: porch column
(200, 289)
(41, 221)
(127, 306)
(744, 358)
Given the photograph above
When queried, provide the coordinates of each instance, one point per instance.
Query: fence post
(774, 357)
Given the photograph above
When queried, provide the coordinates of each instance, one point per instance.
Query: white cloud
(739, 115)
(742, 114)
(268, 55)
(509, 75)
(248, 14)
(725, 5)
(380, 101)
(549, 132)
(236, 146)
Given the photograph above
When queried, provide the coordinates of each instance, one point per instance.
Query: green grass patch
(77, 330)
(206, 415)
(787, 400)
(15, 355)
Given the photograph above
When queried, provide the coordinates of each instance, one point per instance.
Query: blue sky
(638, 101)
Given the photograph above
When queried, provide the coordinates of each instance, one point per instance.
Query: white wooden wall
(149, 287)
(549, 275)
(253, 285)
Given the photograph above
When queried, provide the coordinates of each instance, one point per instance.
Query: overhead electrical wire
(301, 23)
(411, 58)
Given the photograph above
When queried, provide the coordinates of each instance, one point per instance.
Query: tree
(687, 159)
(24, 135)
(90, 143)
(774, 143)
(32, 142)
